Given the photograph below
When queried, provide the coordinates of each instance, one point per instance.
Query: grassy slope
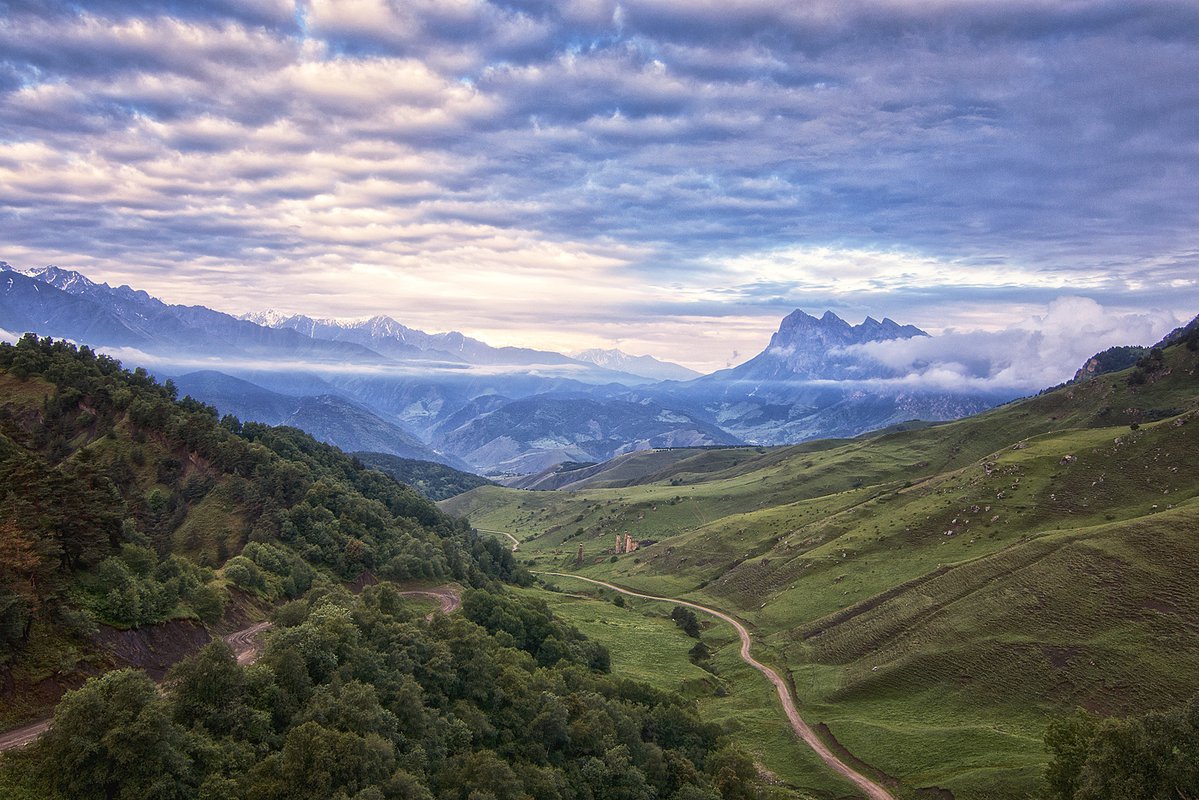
(646, 645)
(936, 593)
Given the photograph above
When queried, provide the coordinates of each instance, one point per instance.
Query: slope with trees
(123, 506)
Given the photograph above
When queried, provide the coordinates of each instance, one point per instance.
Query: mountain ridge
(645, 366)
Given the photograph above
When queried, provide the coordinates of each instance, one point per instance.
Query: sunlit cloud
(671, 177)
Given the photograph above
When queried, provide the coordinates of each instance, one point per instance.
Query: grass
(937, 593)
(646, 645)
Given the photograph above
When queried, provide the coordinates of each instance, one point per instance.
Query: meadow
(938, 594)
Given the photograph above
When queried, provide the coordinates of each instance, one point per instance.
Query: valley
(376, 385)
(599, 400)
(936, 595)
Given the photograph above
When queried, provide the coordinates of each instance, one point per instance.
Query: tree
(686, 620)
(112, 739)
(1151, 757)
(1068, 740)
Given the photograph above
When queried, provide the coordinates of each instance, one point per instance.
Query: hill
(122, 507)
(532, 434)
(327, 417)
(126, 514)
(938, 594)
(435, 481)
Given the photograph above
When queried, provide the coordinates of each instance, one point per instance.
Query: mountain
(805, 347)
(383, 334)
(810, 382)
(101, 315)
(534, 433)
(328, 418)
(644, 366)
(28, 305)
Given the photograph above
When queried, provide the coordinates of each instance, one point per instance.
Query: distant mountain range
(811, 383)
(644, 366)
(378, 385)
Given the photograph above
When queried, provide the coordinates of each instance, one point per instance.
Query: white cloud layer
(1039, 352)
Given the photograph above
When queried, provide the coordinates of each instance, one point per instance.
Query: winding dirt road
(446, 596)
(246, 645)
(511, 538)
(873, 790)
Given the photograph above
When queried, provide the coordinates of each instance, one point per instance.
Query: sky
(666, 176)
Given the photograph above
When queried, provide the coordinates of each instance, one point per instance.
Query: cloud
(1042, 351)
(501, 167)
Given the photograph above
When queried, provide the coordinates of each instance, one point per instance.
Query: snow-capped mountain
(73, 306)
(644, 366)
(379, 384)
(385, 335)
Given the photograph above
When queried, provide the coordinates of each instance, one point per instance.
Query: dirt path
(446, 596)
(22, 736)
(246, 645)
(511, 538)
(873, 790)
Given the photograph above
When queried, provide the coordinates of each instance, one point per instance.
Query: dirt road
(22, 736)
(511, 538)
(246, 644)
(873, 790)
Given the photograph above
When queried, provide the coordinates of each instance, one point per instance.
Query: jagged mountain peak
(832, 329)
(808, 347)
(66, 279)
(270, 318)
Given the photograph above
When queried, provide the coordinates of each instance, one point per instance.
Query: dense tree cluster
(1154, 756)
(686, 620)
(121, 504)
(356, 698)
(435, 481)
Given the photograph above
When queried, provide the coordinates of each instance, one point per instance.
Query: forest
(123, 506)
(354, 697)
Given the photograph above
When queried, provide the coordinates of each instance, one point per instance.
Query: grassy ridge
(936, 593)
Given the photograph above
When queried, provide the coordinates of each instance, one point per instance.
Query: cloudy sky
(671, 176)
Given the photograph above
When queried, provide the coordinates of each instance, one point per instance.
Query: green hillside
(121, 507)
(126, 514)
(433, 480)
(938, 594)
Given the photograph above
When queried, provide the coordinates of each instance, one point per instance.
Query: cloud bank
(1040, 352)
